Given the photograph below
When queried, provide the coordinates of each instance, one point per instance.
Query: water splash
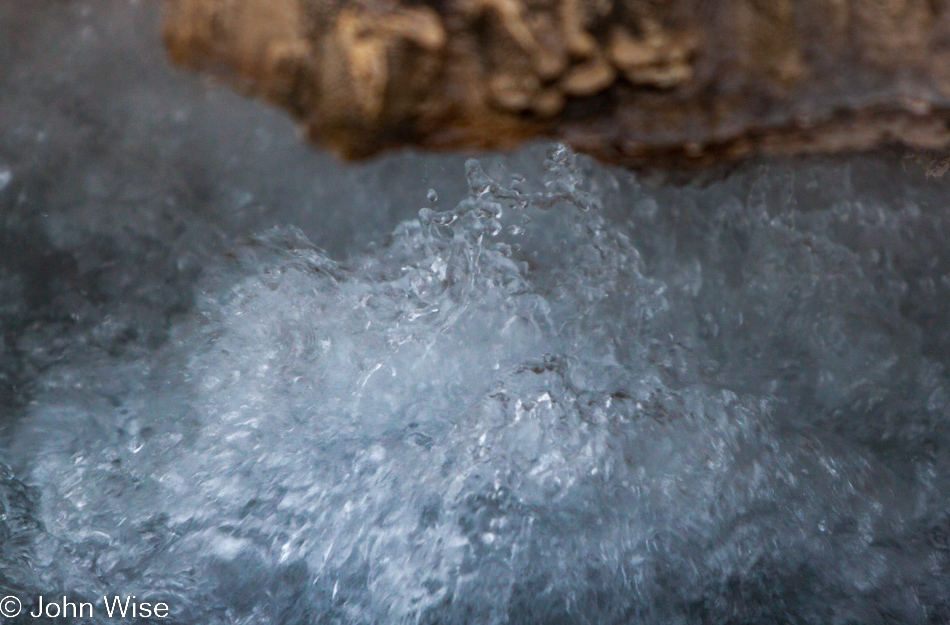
(507, 415)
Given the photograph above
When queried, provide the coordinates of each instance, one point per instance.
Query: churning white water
(507, 414)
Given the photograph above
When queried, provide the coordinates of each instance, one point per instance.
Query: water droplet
(432, 196)
(515, 230)
(5, 177)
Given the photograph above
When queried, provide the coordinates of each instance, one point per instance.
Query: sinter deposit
(643, 83)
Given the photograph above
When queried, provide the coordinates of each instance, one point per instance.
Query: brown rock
(635, 82)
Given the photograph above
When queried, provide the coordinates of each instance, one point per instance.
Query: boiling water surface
(566, 399)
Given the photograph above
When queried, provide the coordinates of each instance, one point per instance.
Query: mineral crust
(634, 82)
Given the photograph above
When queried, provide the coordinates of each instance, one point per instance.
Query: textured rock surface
(630, 81)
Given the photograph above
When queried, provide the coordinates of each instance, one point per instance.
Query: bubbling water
(508, 414)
